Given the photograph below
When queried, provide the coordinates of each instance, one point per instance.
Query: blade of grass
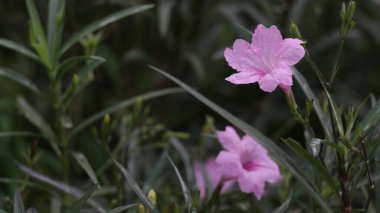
(20, 134)
(83, 162)
(285, 205)
(277, 153)
(78, 205)
(121, 105)
(18, 48)
(34, 117)
(75, 192)
(133, 184)
(18, 206)
(103, 22)
(19, 78)
(372, 118)
(55, 27)
(122, 208)
(69, 63)
(185, 190)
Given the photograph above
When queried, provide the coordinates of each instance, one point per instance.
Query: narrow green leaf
(312, 161)
(20, 134)
(372, 118)
(55, 27)
(135, 187)
(185, 190)
(337, 113)
(75, 192)
(276, 151)
(18, 48)
(19, 78)
(316, 105)
(103, 22)
(122, 208)
(18, 205)
(69, 63)
(34, 117)
(78, 205)
(83, 162)
(2, 211)
(285, 205)
(122, 105)
(158, 168)
(37, 33)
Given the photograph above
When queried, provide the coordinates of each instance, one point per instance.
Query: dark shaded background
(187, 38)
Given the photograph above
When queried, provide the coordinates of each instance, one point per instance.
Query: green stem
(334, 70)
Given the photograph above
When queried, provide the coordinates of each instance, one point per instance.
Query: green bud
(141, 208)
(106, 119)
(75, 79)
(343, 11)
(294, 30)
(350, 11)
(152, 197)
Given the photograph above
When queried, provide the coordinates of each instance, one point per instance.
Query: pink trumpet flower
(266, 60)
(245, 160)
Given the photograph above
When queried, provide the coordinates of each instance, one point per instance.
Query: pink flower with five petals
(266, 60)
(246, 161)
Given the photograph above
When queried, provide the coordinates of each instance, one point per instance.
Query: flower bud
(152, 197)
(350, 11)
(315, 146)
(343, 11)
(106, 119)
(141, 208)
(294, 30)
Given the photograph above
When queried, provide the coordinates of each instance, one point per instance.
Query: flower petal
(268, 83)
(243, 57)
(252, 182)
(214, 176)
(244, 77)
(252, 151)
(291, 51)
(199, 179)
(268, 40)
(229, 165)
(283, 75)
(229, 139)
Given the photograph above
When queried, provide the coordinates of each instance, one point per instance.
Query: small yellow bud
(106, 119)
(141, 208)
(152, 197)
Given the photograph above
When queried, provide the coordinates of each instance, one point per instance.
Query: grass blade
(18, 48)
(75, 192)
(19, 78)
(34, 117)
(122, 208)
(20, 134)
(185, 190)
(372, 118)
(135, 187)
(277, 153)
(55, 27)
(69, 63)
(103, 22)
(18, 206)
(285, 205)
(78, 205)
(121, 105)
(83, 162)
(325, 123)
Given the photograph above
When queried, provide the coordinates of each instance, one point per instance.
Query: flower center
(249, 166)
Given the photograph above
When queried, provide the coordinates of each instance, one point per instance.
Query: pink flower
(246, 161)
(266, 60)
(208, 173)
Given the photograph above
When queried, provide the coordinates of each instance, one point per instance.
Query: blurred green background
(187, 38)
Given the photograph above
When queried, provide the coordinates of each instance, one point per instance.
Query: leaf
(103, 22)
(69, 63)
(121, 105)
(135, 187)
(185, 190)
(276, 151)
(19, 134)
(285, 205)
(37, 33)
(34, 117)
(314, 162)
(325, 123)
(83, 162)
(158, 167)
(18, 48)
(78, 205)
(18, 206)
(55, 27)
(337, 113)
(122, 208)
(372, 118)
(19, 78)
(75, 192)
(2, 211)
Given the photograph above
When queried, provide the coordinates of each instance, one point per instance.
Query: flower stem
(371, 186)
